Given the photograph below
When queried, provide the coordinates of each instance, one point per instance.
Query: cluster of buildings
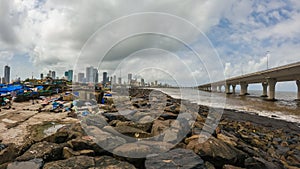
(91, 75)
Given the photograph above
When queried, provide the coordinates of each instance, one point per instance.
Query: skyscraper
(119, 80)
(104, 78)
(53, 74)
(42, 76)
(142, 82)
(95, 76)
(70, 75)
(90, 74)
(7, 74)
(80, 77)
(129, 78)
(114, 80)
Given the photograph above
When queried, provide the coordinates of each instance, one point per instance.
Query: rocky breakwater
(152, 130)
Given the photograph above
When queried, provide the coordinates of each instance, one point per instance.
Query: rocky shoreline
(239, 140)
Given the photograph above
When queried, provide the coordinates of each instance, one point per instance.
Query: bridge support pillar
(233, 89)
(244, 89)
(220, 88)
(272, 84)
(265, 89)
(214, 88)
(227, 88)
(298, 86)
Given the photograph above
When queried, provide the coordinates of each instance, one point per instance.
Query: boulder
(231, 167)
(259, 163)
(9, 153)
(31, 164)
(177, 158)
(111, 163)
(141, 126)
(217, 152)
(44, 150)
(84, 144)
(76, 162)
(132, 150)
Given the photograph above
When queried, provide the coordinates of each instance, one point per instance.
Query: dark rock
(76, 162)
(146, 127)
(44, 150)
(104, 139)
(114, 116)
(32, 164)
(68, 152)
(231, 167)
(109, 162)
(84, 144)
(217, 152)
(132, 132)
(177, 158)
(65, 134)
(9, 153)
(168, 116)
(95, 120)
(132, 150)
(259, 163)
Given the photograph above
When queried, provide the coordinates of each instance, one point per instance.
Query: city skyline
(247, 37)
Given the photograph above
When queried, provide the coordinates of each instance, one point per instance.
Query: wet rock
(9, 153)
(114, 116)
(141, 126)
(65, 134)
(68, 152)
(217, 152)
(209, 165)
(132, 132)
(109, 162)
(84, 144)
(293, 158)
(104, 139)
(177, 158)
(168, 116)
(95, 120)
(72, 163)
(259, 163)
(132, 150)
(231, 167)
(31, 164)
(159, 126)
(44, 150)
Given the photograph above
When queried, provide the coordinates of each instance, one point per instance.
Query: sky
(185, 42)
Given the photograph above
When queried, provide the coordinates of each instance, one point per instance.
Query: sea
(286, 107)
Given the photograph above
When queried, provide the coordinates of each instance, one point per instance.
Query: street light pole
(267, 59)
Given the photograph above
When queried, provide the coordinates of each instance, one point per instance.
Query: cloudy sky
(191, 41)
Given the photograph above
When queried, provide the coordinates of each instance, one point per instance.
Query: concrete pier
(227, 89)
(265, 89)
(298, 86)
(233, 89)
(272, 84)
(244, 88)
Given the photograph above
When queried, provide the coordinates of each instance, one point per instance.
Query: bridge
(268, 78)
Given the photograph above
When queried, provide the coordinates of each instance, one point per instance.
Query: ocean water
(285, 108)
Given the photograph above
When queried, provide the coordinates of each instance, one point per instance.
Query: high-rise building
(95, 76)
(89, 74)
(3, 80)
(42, 76)
(70, 75)
(81, 77)
(53, 74)
(142, 82)
(114, 80)
(104, 80)
(119, 80)
(129, 78)
(7, 74)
